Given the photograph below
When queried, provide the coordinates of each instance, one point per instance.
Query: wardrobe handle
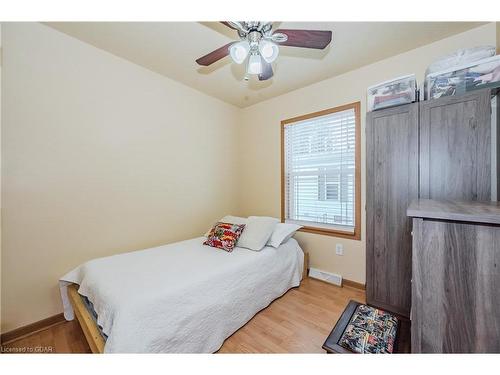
(472, 123)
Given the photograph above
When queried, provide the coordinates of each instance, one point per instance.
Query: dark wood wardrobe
(436, 149)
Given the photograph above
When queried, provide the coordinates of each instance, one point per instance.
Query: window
(321, 172)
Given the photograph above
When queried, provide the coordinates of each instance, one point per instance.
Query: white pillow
(258, 230)
(282, 233)
(234, 219)
(231, 220)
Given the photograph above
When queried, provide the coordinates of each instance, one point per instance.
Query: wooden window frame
(356, 235)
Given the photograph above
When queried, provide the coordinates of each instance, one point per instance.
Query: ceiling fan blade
(214, 56)
(267, 71)
(225, 23)
(318, 39)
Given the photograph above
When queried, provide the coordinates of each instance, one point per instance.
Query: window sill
(332, 232)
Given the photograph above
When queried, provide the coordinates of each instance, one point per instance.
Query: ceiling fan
(260, 44)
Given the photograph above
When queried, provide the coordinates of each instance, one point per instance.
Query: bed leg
(306, 265)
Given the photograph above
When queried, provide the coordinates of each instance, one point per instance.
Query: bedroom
(116, 140)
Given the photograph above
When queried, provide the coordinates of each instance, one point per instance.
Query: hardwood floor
(298, 322)
(65, 337)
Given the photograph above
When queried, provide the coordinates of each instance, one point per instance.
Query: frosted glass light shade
(268, 50)
(239, 51)
(254, 64)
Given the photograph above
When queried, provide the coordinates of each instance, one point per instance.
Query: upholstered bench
(364, 329)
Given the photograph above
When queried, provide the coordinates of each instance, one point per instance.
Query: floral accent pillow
(224, 236)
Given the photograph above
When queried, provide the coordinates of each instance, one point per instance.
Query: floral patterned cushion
(370, 330)
(224, 235)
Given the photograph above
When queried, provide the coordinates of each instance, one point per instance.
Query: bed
(184, 297)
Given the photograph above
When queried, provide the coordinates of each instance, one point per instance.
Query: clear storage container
(398, 91)
(458, 80)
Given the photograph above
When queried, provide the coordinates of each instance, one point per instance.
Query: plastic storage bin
(398, 91)
(458, 80)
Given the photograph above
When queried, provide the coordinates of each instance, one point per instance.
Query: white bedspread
(183, 297)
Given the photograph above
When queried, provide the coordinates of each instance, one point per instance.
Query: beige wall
(259, 140)
(498, 37)
(99, 156)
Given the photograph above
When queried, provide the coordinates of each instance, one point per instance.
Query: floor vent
(331, 278)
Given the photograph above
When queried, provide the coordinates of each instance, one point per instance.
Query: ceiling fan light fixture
(259, 44)
(239, 51)
(268, 50)
(254, 64)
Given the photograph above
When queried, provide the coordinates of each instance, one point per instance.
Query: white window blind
(320, 171)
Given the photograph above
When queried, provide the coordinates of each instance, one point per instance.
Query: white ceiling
(171, 48)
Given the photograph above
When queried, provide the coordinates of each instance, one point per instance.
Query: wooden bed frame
(89, 326)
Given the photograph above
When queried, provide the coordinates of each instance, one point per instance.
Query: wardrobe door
(392, 183)
(455, 147)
